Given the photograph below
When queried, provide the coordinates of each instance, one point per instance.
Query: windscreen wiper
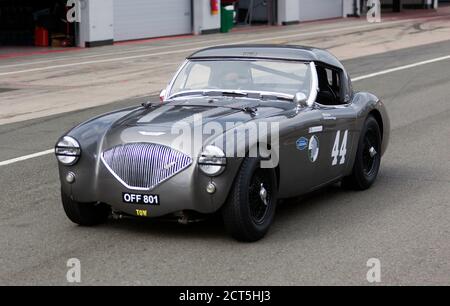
(225, 93)
(253, 95)
(150, 104)
(246, 109)
(275, 97)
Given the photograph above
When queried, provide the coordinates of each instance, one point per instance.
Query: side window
(329, 85)
(280, 77)
(335, 82)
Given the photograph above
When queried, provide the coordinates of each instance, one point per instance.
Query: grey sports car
(238, 128)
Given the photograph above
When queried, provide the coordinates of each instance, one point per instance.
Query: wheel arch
(269, 147)
(377, 115)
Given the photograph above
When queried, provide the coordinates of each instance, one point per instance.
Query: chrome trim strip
(172, 81)
(200, 91)
(314, 85)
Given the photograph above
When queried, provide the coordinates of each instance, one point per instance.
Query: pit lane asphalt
(325, 238)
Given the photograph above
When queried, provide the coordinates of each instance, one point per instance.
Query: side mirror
(301, 99)
(162, 95)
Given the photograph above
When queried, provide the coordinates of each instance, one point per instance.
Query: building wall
(96, 22)
(349, 7)
(204, 21)
(324, 9)
(97, 16)
(101, 20)
(140, 19)
(288, 11)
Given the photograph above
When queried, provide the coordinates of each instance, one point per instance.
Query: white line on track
(298, 32)
(430, 61)
(182, 50)
(22, 158)
(356, 79)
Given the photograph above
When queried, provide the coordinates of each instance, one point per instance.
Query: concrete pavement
(44, 85)
(325, 238)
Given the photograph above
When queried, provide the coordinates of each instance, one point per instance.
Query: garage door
(136, 19)
(313, 9)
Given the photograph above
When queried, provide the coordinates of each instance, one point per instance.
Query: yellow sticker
(141, 212)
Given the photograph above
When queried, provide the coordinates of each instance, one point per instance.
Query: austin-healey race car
(237, 129)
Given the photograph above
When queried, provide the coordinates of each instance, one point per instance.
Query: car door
(301, 157)
(338, 126)
(338, 133)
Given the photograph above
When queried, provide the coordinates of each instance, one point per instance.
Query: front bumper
(183, 191)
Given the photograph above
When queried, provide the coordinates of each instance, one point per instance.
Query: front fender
(90, 135)
(265, 145)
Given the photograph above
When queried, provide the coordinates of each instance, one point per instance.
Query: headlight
(68, 151)
(212, 161)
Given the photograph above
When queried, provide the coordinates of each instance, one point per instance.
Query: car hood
(167, 122)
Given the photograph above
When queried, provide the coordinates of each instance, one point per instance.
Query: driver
(236, 76)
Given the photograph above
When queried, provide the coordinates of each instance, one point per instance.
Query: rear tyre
(85, 214)
(368, 157)
(250, 208)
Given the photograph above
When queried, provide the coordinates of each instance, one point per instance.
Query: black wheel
(368, 157)
(250, 208)
(86, 214)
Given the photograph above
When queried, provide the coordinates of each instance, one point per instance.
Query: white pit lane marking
(372, 75)
(360, 78)
(227, 42)
(204, 44)
(26, 157)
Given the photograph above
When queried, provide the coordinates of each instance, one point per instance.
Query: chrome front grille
(142, 166)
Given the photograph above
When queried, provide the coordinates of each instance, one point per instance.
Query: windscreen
(285, 77)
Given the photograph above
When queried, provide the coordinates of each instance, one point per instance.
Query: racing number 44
(339, 152)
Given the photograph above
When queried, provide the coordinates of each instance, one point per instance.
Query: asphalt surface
(325, 238)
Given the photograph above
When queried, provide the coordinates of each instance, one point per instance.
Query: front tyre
(250, 208)
(85, 214)
(368, 157)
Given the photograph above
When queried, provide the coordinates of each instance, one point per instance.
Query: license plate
(145, 199)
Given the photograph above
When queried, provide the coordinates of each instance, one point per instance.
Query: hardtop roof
(286, 52)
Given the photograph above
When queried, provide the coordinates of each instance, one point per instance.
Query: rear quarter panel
(366, 104)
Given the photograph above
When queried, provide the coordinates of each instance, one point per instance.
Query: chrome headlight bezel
(68, 151)
(212, 161)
